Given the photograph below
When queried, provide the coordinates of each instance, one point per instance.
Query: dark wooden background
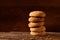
(14, 14)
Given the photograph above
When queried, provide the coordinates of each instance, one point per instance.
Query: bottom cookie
(38, 33)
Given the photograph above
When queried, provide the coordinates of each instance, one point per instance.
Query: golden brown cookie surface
(37, 33)
(38, 29)
(37, 14)
(34, 19)
(36, 24)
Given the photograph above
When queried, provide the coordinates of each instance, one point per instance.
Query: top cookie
(37, 14)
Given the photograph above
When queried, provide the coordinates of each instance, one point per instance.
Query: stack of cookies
(36, 23)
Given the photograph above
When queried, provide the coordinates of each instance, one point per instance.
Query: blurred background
(14, 14)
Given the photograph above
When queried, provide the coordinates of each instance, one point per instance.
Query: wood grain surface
(27, 36)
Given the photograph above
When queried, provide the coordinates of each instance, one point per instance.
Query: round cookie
(38, 29)
(37, 14)
(35, 24)
(34, 19)
(38, 33)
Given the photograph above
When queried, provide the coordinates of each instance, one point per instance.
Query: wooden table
(27, 36)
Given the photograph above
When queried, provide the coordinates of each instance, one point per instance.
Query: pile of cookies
(36, 23)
